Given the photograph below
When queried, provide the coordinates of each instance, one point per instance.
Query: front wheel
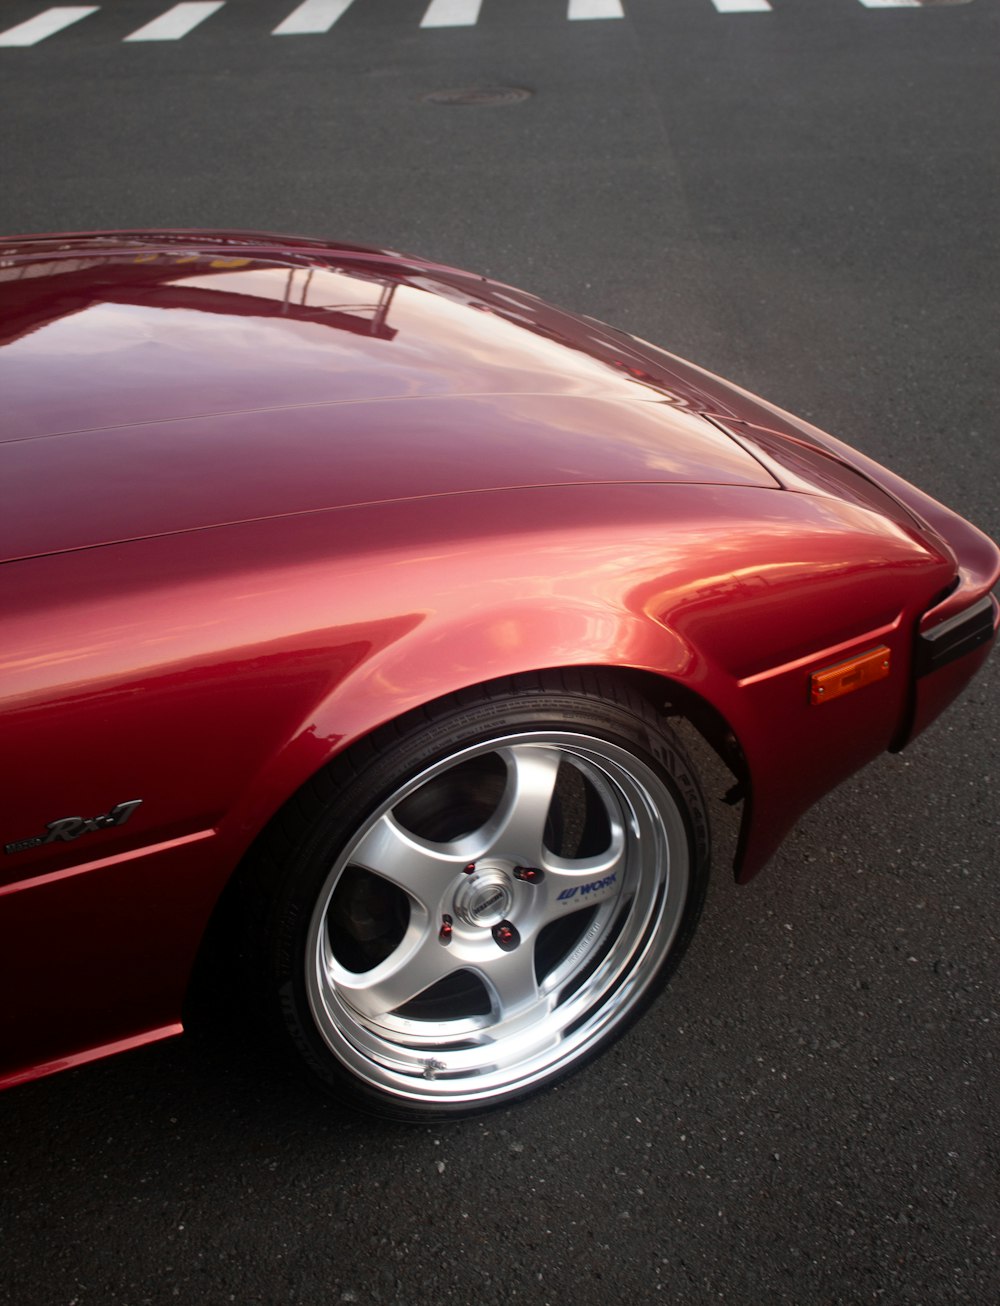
(488, 894)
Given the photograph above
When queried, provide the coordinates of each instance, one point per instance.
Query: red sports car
(364, 589)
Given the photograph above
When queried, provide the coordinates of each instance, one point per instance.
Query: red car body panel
(264, 496)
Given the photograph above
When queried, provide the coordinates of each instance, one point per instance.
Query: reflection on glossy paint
(156, 349)
(193, 391)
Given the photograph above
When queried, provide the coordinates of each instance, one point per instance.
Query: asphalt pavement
(803, 199)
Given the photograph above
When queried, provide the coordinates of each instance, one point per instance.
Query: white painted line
(742, 6)
(582, 9)
(36, 29)
(312, 16)
(176, 22)
(891, 4)
(451, 13)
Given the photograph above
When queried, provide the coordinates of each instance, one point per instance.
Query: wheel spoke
(572, 883)
(510, 979)
(517, 828)
(419, 962)
(418, 867)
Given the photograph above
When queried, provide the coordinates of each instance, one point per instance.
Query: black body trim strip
(955, 637)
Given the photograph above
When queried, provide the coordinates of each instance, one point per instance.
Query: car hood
(160, 382)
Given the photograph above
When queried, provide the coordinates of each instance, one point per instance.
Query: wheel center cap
(484, 899)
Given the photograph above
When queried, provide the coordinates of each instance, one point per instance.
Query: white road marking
(451, 13)
(36, 29)
(582, 9)
(176, 22)
(742, 6)
(312, 16)
(317, 16)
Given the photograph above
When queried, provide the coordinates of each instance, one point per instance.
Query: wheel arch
(667, 696)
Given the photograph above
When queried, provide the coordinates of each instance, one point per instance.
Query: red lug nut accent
(444, 935)
(530, 874)
(506, 936)
(470, 868)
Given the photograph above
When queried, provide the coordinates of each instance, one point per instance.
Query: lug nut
(529, 874)
(506, 936)
(444, 934)
(467, 870)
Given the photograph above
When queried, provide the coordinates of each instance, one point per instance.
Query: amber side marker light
(845, 677)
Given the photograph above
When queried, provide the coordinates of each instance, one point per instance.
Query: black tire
(472, 903)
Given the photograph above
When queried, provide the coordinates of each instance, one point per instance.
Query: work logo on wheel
(594, 888)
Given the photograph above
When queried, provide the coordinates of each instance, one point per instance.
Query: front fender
(735, 595)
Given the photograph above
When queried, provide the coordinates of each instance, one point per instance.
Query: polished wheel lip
(534, 1031)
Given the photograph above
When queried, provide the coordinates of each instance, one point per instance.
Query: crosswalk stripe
(583, 9)
(312, 16)
(318, 16)
(176, 22)
(742, 6)
(451, 13)
(36, 29)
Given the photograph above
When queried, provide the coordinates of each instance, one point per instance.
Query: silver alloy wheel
(509, 942)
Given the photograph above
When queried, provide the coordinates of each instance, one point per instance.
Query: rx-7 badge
(68, 828)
